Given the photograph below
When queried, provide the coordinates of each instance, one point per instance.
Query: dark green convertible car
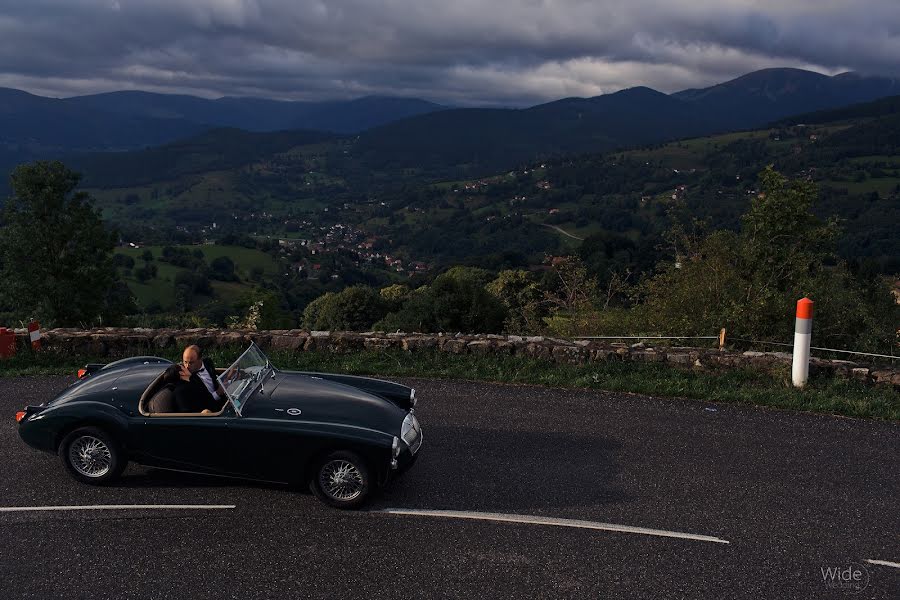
(343, 436)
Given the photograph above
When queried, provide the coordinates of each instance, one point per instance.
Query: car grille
(412, 433)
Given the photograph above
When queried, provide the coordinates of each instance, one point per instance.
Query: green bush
(456, 301)
(354, 308)
(521, 294)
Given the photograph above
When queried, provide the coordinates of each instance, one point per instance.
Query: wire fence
(647, 337)
(818, 348)
(721, 339)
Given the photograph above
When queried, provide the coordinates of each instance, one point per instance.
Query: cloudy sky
(464, 52)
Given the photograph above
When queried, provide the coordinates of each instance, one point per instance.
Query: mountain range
(405, 133)
(256, 114)
(33, 127)
(497, 139)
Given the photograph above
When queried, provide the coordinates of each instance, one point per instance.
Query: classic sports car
(344, 436)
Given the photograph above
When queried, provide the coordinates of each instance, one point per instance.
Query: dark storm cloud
(466, 51)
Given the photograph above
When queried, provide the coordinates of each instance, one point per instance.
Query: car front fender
(46, 429)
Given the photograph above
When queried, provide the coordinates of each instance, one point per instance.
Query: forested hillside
(308, 181)
(306, 228)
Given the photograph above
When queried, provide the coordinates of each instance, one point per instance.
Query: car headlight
(411, 432)
(412, 398)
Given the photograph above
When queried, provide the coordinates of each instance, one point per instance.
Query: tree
(123, 260)
(615, 261)
(55, 252)
(750, 282)
(186, 286)
(394, 295)
(699, 293)
(523, 298)
(272, 312)
(183, 289)
(607, 252)
(570, 286)
(312, 314)
(222, 268)
(145, 273)
(783, 248)
(455, 301)
(354, 308)
(461, 302)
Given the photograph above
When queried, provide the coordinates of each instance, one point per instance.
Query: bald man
(203, 393)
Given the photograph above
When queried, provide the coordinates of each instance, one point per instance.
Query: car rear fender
(91, 368)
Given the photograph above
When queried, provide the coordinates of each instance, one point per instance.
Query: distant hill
(763, 96)
(878, 108)
(489, 139)
(215, 150)
(472, 141)
(871, 128)
(38, 124)
(34, 127)
(259, 114)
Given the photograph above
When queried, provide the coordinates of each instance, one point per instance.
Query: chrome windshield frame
(239, 394)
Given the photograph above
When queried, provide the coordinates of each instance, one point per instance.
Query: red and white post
(802, 339)
(34, 334)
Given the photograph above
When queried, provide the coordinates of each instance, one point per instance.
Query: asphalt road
(793, 494)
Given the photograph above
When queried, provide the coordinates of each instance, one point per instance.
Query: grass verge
(823, 395)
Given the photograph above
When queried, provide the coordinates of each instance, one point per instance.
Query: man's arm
(211, 368)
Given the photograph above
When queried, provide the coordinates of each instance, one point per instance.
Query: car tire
(92, 456)
(342, 480)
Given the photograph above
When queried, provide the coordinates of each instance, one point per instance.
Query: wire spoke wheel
(341, 480)
(90, 456)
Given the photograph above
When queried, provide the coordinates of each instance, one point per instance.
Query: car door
(189, 442)
(196, 443)
(269, 443)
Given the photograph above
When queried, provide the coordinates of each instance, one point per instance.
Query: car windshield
(241, 378)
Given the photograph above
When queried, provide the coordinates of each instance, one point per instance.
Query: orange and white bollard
(34, 334)
(802, 340)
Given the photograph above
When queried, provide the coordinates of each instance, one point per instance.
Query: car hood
(318, 399)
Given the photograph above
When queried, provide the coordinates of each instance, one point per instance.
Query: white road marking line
(883, 563)
(119, 507)
(534, 520)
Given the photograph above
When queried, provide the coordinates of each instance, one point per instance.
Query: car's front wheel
(341, 479)
(92, 456)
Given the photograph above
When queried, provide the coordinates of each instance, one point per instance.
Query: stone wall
(116, 343)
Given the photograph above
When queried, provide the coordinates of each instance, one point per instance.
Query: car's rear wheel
(341, 479)
(92, 456)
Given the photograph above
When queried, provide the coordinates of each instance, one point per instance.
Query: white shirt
(207, 380)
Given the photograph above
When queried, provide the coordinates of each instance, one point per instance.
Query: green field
(161, 289)
(244, 259)
(883, 185)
